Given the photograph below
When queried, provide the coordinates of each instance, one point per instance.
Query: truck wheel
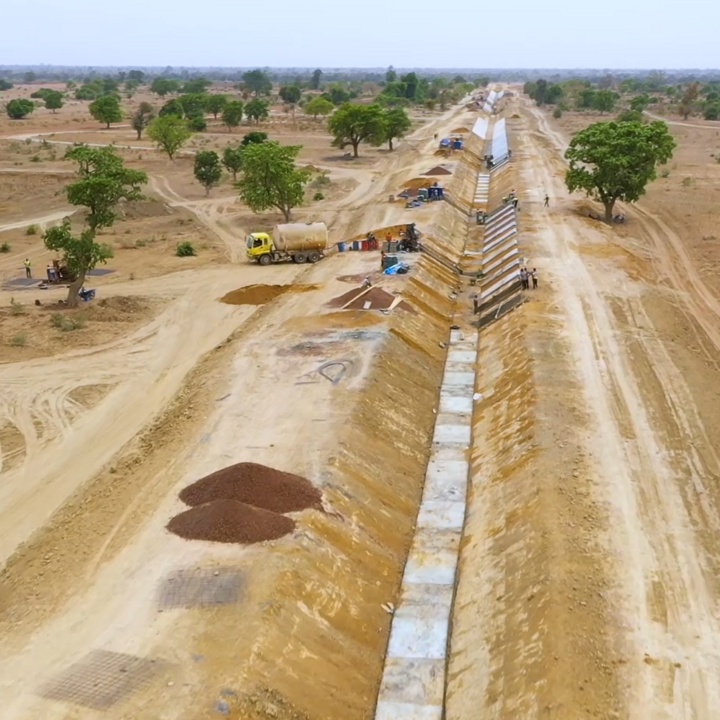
(314, 256)
(300, 258)
(264, 259)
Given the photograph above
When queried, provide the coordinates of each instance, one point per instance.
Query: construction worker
(28, 268)
(547, 200)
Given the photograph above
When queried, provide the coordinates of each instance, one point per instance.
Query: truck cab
(258, 244)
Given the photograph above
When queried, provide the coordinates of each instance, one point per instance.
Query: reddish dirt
(438, 170)
(261, 294)
(378, 298)
(228, 521)
(254, 484)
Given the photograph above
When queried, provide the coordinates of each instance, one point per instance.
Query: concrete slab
(407, 711)
(501, 239)
(442, 514)
(495, 287)
(459, 378)
(413, 680)
(454, 404)
(456, 434)
(419, 637)
(468, 356)
(433, 557)
(422, 594)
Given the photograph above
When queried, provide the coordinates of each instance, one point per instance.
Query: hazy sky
(364, 33)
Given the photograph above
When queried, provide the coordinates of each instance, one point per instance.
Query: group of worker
(53, 274)
(511, 197)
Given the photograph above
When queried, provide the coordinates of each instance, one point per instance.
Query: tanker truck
(299, 242)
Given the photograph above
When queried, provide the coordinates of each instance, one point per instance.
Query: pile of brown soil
(257, 485)
(228, 521)
(261, 294)
(377, 297)
(417, 183)
(459, 130)
(438, 170)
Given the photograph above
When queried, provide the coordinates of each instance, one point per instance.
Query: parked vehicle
(299, 242)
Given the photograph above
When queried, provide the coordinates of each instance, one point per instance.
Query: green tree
(290, 94)
(257, 110)
(396, 123)
(169, 133)
(137, 76)
(80, 254)
(172, 107)
(196, 86)
(142, 117)
(688, 100)
(586, 98)
(29, 77)
(554, 94)
(194, 104)
(106, 109)
(164, 86)
(270, 178)
(613, 161)
(232, 114)
(258, 82)
(5, 85)
(629, 116)
(604, 101)
(540, 94)
(640, 102)
(352, 124)
(314, 83)
(233, 160)
(53, 100)
(19, 108)
(207, 169)
(256, 136)
(318, 106)
(712, 111)
(216, 104)
(390, 75)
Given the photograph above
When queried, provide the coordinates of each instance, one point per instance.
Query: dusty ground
(589, 578)
(183, 385)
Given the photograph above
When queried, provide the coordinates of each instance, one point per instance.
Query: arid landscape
(576, 425)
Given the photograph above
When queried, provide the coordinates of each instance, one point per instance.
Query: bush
(687, 182)
(321, 180)
(557, 112)
(65, 323)
(32, 230)
(197, 123)
(185, 249)
(318, 196)
(16, 308)
(19, 340)
(5, 248)
(35, 158)
(665, 173)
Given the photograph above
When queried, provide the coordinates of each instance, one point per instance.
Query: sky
(367, 33)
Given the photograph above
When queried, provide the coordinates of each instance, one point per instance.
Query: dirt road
(603, 594)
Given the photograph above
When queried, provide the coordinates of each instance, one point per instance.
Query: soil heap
(228, 521)
(261, 294)
(378, 298)
(257, 485)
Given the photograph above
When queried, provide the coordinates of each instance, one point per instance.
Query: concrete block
(442, 514)
(460, 434)
(415, 637)
(407, 711)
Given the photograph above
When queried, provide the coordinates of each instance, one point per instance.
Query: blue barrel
(341, 247)
(356, 244)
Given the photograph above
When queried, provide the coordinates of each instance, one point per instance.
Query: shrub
(557, 112)
(5, 248)
(16, 308)
(318, 196)
(140, 243)
(185, 249)
(67, 324)
(197, 123)
(32, 229)
(35, 158)
(321, 180)
(687, 182)
(665, 173)
(18, 340)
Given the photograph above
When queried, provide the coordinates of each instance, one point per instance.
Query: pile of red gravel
(227, 521)
(254, 484)
(243, 503)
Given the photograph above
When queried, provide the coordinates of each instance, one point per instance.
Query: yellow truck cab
(299, 242)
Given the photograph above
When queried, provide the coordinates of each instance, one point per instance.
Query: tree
(142, 118)
(688, 100)
(104, 182)
(257, 110)
(586, 98)
(604, 101)
(29, 77)
(106, 109)
(318, 106)
(164, 86)
(390, 75)
(232, 114)
(352, 124)
(256, 136)
(172, 107)
(314, 83)
(290, 94)
(613, 161)
(640, 102)
(169, 133)
(395, 124)
(712, 111)
(554, 93)
(258, 82)
(5, 85)
(19, 108)
(233, 160)
(630, 116)
(196, 85)
(80, 254)
(53, 100)
(270, 179)
(137, 76)
(207, 169)
(216, 104)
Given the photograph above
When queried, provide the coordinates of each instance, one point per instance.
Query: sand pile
(257, 485)
(438, 170)
(228, 521)
(378, 298)
(459, 130)
(261, 294)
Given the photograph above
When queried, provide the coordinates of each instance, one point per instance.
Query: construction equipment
(299, 242)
